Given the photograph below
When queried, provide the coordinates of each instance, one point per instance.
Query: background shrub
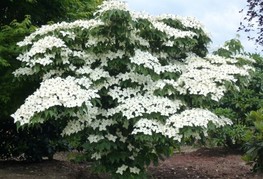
(254, 141)
(238, 103)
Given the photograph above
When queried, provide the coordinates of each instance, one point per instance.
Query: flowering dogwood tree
(128, 84)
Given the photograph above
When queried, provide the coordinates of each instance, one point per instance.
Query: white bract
(134, 170)
(121, 169)
(125, 81)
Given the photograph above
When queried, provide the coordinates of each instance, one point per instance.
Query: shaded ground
(202, 163)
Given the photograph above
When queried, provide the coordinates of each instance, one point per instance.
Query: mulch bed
(202, 163)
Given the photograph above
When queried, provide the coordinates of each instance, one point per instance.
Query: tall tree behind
(254, 20)
(42, 11)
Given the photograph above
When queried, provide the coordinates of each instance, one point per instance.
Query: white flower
(132, 157)
(130, 147)
(111, 137)
(96, 156)
(134, 170)
(135, 38)
(23, 71)
(69, 34)
(95, 138)
(172, 32)
(145, 58)
(121, 169)
(48, 42)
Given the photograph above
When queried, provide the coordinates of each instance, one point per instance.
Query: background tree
(244, 106)
(254, 20)
(18, 19)
(43, 11)
(238, 103)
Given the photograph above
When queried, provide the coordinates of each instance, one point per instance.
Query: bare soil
(202, 163)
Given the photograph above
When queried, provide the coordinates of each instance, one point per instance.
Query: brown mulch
(202, 163)
(205, 163)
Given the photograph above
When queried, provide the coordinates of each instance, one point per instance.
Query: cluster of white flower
(45, 29)
(44, 61)
(186, 21)
(220, 60)
(172, 32)
(169, 43)
(23, 71)
(150, 126)
(81, 121)
(111, 137)
(121, 137)
(94, 41)
(51, 73)
(203, 76)
(123, 168)
(53, 92)
(48, 42)
(111, 5)
(123, 94)
(175, 67)
(95, 138)
(146, 59)
(110, 55)
(134, 170)
(244, 57)
(98, 74)
(134, 106)
(196, 117)
(141, 15)
(146, 81)
(96, 156)
(84, 24)
(68, 34)
(72, 127)
(136, 38)
(102, 124)
(41, 47)
(135, 77)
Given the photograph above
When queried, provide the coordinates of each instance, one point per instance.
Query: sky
(221, 18)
